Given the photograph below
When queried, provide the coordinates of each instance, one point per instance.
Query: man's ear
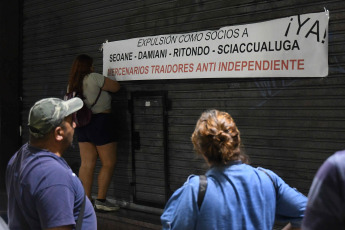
(58, 133)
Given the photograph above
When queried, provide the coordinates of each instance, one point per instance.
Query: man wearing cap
(43, 192)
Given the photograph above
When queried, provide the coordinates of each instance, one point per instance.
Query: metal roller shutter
(288, 125)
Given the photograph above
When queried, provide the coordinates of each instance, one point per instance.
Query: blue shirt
(326, 203)
(237, 197)
(43, 192)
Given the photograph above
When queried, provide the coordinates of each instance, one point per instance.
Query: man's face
(68, 128)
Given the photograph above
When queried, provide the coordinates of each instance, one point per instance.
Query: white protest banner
(295, 46)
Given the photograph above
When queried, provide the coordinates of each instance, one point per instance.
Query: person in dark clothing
(43, 192)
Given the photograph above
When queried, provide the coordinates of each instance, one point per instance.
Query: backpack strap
(274, 185)
(99, 94)
(81, 215)
(202, 189)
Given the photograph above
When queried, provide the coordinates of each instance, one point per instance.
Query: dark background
(10, 67)
(289, 125)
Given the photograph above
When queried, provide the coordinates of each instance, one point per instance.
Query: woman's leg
(88, 155)
(108, 156)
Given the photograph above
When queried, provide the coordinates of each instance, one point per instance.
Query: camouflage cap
(49, 113)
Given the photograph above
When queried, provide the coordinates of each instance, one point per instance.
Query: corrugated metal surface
(149, 149)
(288, 125)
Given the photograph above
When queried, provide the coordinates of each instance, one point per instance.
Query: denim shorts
(99, 131)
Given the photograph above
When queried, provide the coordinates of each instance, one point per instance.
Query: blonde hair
(217, 137)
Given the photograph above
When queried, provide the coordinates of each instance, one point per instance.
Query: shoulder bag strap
(99, 93)
(202, 189)
(81, 215)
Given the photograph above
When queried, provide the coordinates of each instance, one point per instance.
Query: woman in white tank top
(96, 138)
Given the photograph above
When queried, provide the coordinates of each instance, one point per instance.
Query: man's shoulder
(27, 156)
(332, 169)
(334, 163)
(44, 165)
(23, 149)
(339, 158)
(50, 164)
(45, 159)
(338, 162)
